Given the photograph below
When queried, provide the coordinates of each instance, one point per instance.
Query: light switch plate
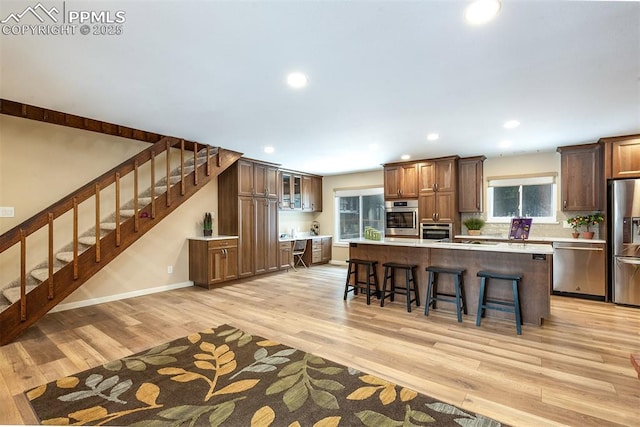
(7, 212)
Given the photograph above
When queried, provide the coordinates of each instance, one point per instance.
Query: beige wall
(41, 163)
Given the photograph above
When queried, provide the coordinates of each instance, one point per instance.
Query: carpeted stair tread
(3, 306)
(127, 213)
(144, 201)
(108, 226)
(87, 240)
(13, 294)
(42, 274)
(68, 256)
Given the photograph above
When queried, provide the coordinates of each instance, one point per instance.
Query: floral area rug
(227, 377)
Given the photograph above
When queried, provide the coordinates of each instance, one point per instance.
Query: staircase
(33, 294)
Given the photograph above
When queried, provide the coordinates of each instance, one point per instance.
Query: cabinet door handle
(564, 204)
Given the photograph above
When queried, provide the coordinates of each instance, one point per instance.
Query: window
(357, 209)
(533, 197)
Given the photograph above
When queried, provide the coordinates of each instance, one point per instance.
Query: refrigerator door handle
(635, 261)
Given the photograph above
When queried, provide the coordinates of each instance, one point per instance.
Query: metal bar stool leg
(481, 300)
(516, 303)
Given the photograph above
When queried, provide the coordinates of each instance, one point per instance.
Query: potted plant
(474, 225)
(207, 224)
(589, 220)
(575, 222)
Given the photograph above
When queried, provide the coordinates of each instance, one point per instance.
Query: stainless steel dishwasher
(579, 268)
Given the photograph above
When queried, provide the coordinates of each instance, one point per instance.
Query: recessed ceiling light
(432, 137)
(269, 149)
(297, 80)
(511, 124)
(405, 157)
(504, 144)
(481, 11)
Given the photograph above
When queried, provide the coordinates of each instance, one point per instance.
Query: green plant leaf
(291, 368)
(374, 419)
(158, 360)
(222, 412)
(244, 340)
(260, 353)
(184, 412)
(283, 384)
(296, 396)
(329, 370)
(327, 384)
(259, 368)
(324, 399)
(135, 365)
(420, 416)
(115, 365)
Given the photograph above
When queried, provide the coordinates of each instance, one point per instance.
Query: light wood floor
(574, 370)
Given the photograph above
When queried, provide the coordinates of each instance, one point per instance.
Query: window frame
(521, 181)
(353, 192)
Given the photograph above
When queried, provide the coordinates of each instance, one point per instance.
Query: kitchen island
(533, 261)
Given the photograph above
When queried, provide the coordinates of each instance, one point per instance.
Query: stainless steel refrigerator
(625, 241)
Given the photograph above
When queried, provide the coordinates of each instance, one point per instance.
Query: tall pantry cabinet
(248, 208)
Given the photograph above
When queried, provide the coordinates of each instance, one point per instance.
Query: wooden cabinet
(265, 251)
(299, 191)
(438, 198)
(326, 249)
(318, 250)
(251, 215)
(401, 181)
(622, 156)
(582, 183)
(470, 184)
(212, 262)
(257, 179)
(286, 255)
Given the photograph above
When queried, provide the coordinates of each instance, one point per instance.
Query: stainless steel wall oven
(401, 218)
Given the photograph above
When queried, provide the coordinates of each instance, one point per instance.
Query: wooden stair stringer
(37, 300)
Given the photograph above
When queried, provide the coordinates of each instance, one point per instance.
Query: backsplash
(558, 229)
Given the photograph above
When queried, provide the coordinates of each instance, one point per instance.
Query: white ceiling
(381, 72)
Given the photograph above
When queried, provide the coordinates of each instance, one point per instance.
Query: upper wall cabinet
(300, 191)
(470, 187)
(438, 184)
(257, 179)
(401, 181)
(582, 177)
(622, 157)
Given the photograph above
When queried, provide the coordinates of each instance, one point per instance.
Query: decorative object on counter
(587, 221)
(575, 222)
(207, 224)
(520, 228)
(315, 228)
(474, 225)
(371, 233)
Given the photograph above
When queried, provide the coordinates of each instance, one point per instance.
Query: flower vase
(575, 234)
(588, 234)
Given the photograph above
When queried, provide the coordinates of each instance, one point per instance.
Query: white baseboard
(116, 297)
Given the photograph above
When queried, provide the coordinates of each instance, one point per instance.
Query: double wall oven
(401, 218)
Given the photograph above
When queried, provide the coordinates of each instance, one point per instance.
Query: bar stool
(492, 304)
(410, 283)
(371, 268)
(458, 298)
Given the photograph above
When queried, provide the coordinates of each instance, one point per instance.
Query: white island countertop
(216, 237)
(533, 238)
(525, 248)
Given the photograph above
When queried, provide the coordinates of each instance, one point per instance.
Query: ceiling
(382, 75)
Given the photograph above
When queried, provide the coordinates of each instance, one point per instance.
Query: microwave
(442, 232)
(401, 218)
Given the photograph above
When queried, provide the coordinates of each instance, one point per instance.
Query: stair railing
(46, 218)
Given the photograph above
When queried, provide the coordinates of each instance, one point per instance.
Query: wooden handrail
(65, 204)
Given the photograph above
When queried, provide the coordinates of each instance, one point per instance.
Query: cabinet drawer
(224, 243)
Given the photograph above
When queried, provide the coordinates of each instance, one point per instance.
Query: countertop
(305, 237)
(526, 248)
(532, 238)
(217, 237)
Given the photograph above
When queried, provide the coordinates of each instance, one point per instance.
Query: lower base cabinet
(318, 250)
(212, 262)
(286, 255)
